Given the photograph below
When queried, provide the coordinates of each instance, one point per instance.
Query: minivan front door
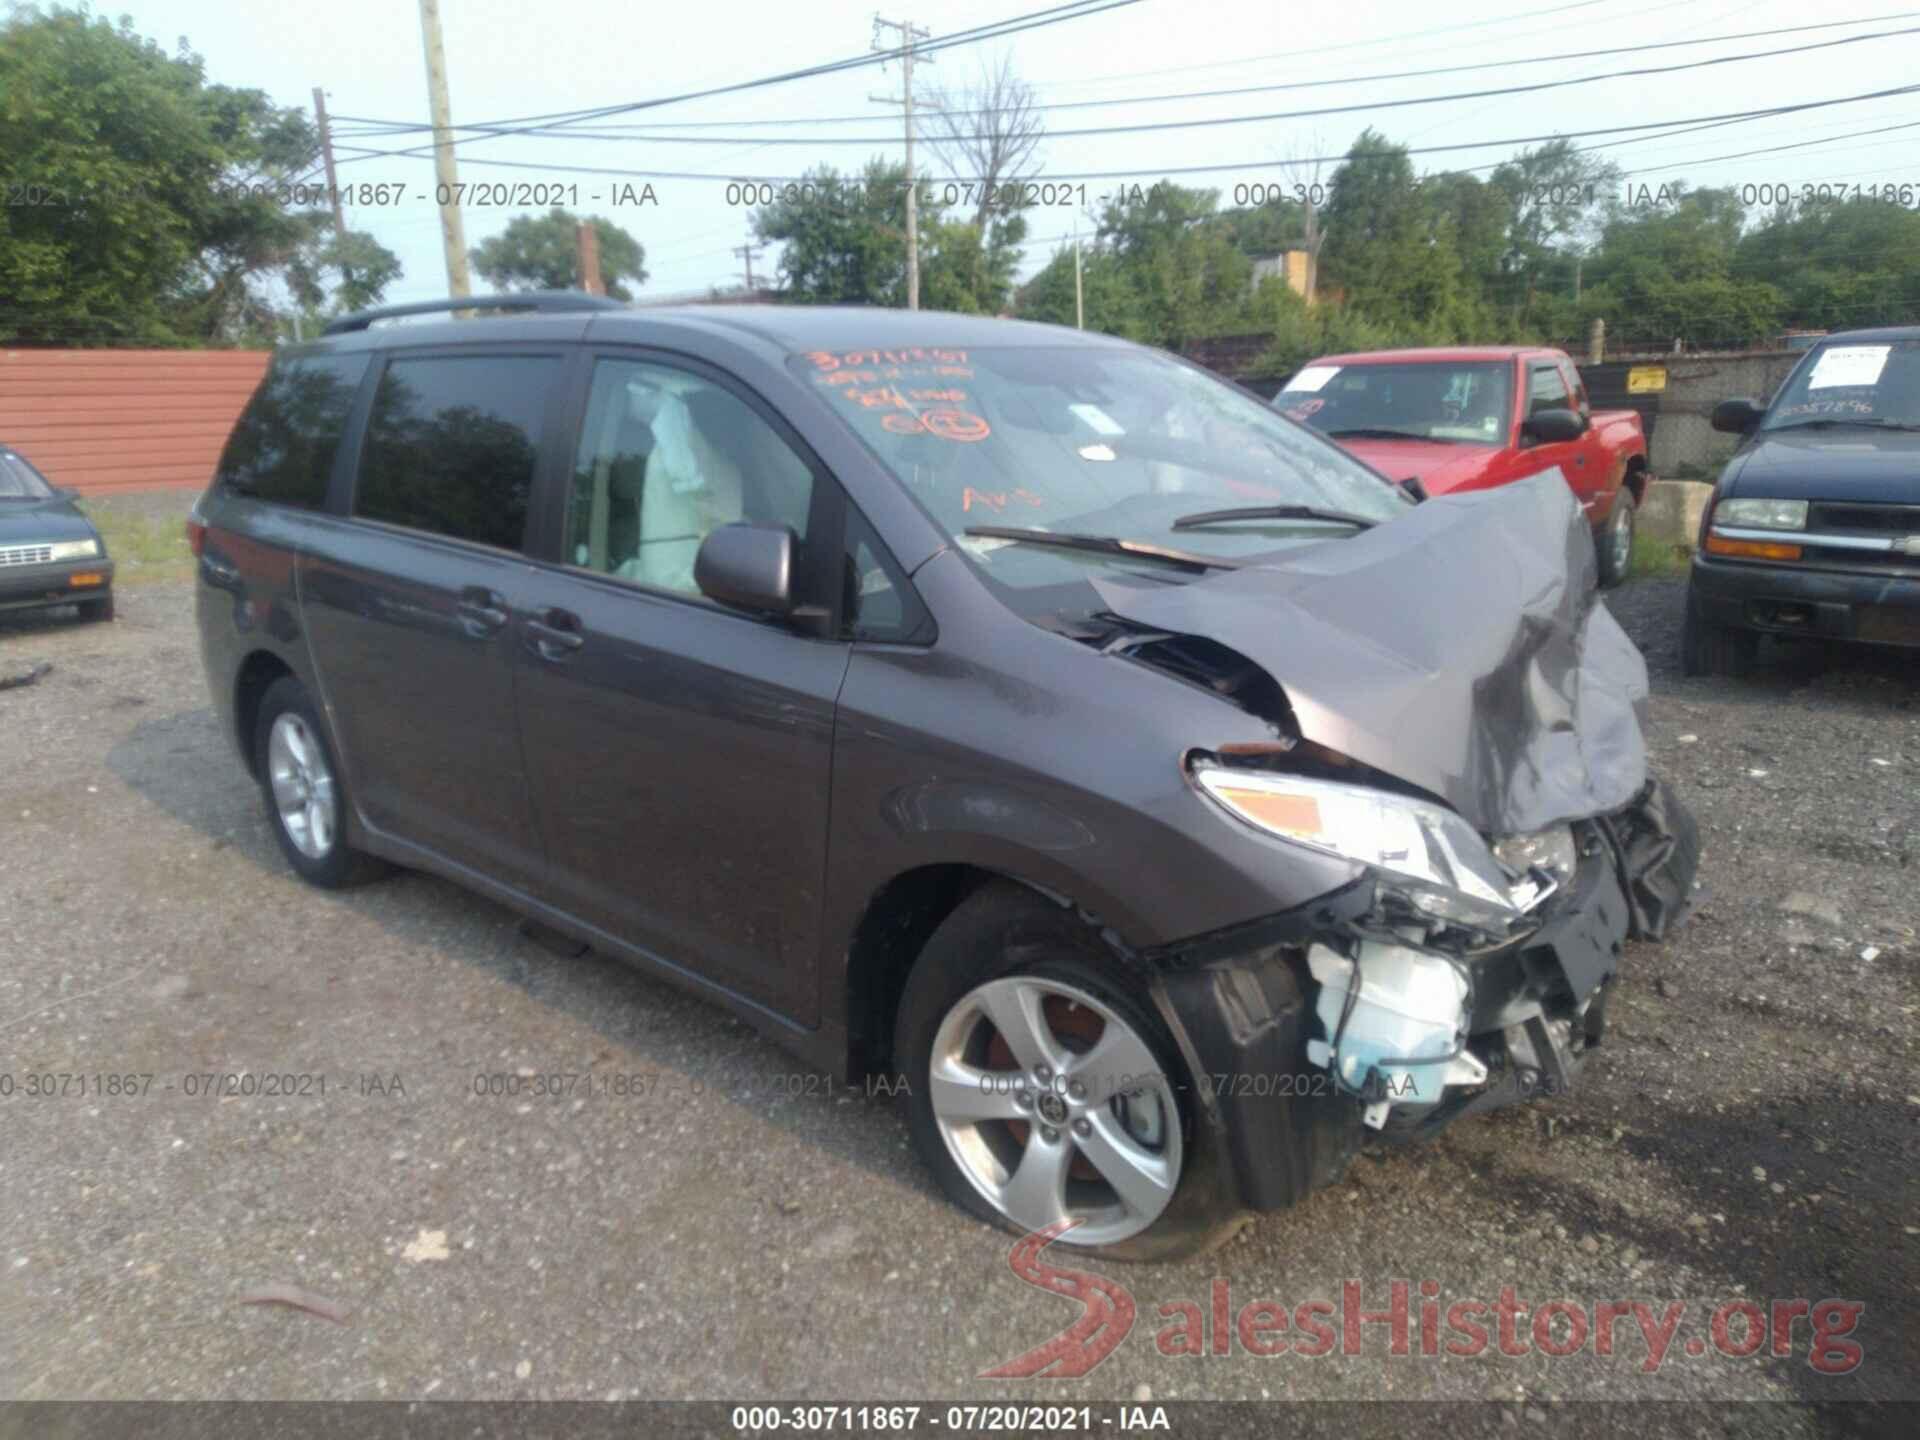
(681, 754)
(410, 606)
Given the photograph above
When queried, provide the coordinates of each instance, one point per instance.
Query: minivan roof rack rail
(543, 300)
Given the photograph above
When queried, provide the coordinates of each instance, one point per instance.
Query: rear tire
(1615, 540)
(1011, 953)
(101, 609)
(306, 795)
(1707, 648)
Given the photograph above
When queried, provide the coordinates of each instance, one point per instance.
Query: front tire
(1615, 540)
(305, 793)
(1044, 1088)
(101, 609)
(1707, 648)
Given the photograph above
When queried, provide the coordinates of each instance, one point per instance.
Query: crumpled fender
(1657, 843)
(1462, 647)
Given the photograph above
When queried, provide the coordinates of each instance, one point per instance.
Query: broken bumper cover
(1244, 1013)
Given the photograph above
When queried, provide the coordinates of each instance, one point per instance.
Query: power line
(1400, 39)
(1369, 106)
(1077, 10)
(1769, 150)
(1667, 127)
(393, 127)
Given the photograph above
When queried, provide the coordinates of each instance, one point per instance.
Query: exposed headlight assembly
(1762, 514)
(75, 549)
(1425, 853)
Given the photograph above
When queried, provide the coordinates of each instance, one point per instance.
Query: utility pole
(586, 242)
(746, 253)
(333, 182)
(1079, 306)
(909, 33)
(326, 154)
(452, 232)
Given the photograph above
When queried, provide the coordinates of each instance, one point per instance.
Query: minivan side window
(282, 449)
(879, 603)
(452, 443)
(665, 458)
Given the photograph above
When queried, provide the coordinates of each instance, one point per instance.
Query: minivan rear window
(282, 450)
(452, 442)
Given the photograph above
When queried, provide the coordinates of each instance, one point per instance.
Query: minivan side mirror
(1738, 417)
(1548, 427)
(747, 566)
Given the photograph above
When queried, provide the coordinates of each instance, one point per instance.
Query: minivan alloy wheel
(1052, 1106)
(303, 788)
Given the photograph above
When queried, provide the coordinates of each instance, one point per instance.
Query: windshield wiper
(1823, 422)
(1104, 545)
(1373, 432)
(1274, 512)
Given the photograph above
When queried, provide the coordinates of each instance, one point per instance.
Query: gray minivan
(1164, 801)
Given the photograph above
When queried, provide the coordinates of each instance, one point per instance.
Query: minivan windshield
(1857, 383)
(1100, 444)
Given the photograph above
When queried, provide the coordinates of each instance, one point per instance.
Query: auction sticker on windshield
(1312, 378)
(1848, 365)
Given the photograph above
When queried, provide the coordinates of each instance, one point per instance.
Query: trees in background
(148, 206)
(542, 253)
(1534, 253)
(989, 131)
(843, 241)
(843, 238)
(145, 205)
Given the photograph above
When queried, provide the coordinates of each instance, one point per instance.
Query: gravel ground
(1747, 1132)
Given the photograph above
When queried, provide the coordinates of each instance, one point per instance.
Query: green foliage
(1301, 331)
(150, 213)
(1557, 195)
(1111, 304)
(844, 242)
(1552, 241)
(543, 254)
(1186, 274)
(969, 269)
(1839, 263)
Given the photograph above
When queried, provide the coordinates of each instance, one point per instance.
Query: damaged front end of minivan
(1455, 713)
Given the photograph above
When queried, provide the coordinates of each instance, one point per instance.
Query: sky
(509, 58)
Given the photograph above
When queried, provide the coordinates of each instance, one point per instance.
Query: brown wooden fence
(107, 420)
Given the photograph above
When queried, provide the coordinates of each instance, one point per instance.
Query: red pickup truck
(1470, 419)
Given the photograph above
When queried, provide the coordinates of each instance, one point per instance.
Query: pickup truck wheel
(305, 793)
(1615, 541)
(1707, 648)
(1043, 1087)
(101, 609)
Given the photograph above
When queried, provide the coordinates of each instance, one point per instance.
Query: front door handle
(482, 611)
(554, 634)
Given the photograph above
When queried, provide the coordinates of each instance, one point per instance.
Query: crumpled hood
(1462, 648)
